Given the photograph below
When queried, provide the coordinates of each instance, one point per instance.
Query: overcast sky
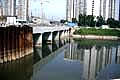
(55, 9)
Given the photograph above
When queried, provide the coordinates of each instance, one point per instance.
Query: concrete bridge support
(50, 38)
(57, 43)
(62, 34)
(57, 35)
(66, 33)
(38, 38)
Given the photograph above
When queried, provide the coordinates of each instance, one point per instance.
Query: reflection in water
(46, 54)
(46, 49)
(20, 69)
(95, 58)
(64, 60)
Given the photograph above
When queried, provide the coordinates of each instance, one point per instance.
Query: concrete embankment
(96, 37)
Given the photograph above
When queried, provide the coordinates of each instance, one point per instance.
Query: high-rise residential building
(9, 7)
(82, 7)
(1, 9)
(12, 7)
(69, 11)
(105, 8)
(89, 7)
(72, 9)
(111, 9)
(77, 9)
(117, 10)
(5, 7)
(22, 11)
(114, 9)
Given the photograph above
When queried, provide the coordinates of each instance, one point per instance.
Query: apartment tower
(23, 9)
(105, 8)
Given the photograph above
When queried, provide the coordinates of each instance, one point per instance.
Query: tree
(86, 20)
(63, 21)
(74, 20)
(113, 23)
(81, 20)
(100, 21)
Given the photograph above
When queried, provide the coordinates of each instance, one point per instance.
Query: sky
(53, 9)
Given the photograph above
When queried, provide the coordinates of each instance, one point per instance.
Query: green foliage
(90, 42)
(63, 21)
(113, 23)
(74, 20)
(100, 21)
(86, 20)
(93, 31)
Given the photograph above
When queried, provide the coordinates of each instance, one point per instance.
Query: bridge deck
(49, 29)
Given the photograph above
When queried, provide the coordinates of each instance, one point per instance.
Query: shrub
(102, 32)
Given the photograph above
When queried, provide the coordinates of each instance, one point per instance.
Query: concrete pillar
(50, 48)
(50, 38)
(57, 43)
(57, 37)
(62, 35)
(65, 33)
(38, 39)
(68, 32)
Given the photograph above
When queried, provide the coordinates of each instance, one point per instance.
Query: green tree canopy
(86, 20)
(100, 21)
(113, 23)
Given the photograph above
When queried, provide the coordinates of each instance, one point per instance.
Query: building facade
(5, 7)
(69, 11)
(1, 9)
(9, 7)
(117, 10)
(105, 8)
(22, 11)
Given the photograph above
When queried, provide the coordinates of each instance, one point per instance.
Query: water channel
(69, 59)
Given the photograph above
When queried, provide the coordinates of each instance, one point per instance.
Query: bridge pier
(57, 36)
(62, 34)
(50, 38)
(66, 33)
(38, 39)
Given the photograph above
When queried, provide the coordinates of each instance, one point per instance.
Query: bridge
(15, 41)
(44, 33)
